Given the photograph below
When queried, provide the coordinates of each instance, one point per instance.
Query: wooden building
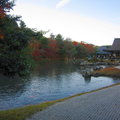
(115, 48)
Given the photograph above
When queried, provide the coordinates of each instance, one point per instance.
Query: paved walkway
(100, 105)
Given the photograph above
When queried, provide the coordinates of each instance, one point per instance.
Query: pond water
(49, 81)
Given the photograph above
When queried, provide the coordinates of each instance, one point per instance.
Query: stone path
(100, 105)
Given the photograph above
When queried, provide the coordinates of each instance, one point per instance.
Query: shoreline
(24, 112)
(108, 72)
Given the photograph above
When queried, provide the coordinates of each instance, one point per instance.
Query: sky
(92, 21)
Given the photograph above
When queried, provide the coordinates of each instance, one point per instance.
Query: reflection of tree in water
(17, 85)
(85, 70)
(87, 79)
(11, 86)
(54, 69)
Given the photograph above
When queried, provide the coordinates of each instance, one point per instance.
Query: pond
(49, 81)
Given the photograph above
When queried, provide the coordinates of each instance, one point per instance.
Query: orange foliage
(1, 36)
(36, 52)
(75, 43)
(90, 47)
(52, 50)
(110, 71)
(52, 44)
(35, 45)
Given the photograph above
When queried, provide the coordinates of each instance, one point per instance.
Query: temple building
(115, 48)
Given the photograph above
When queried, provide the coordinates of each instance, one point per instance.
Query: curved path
(100, 105)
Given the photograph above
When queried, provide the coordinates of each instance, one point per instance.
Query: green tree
(60, 43)
(81, 51)
(13, 56)
(59, 40)
(22, 24)
(69, 48)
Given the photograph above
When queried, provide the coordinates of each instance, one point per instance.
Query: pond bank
(49, 81)
(102, 105)
(110, 72)
(23, 113)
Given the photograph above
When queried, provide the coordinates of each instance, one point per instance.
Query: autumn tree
(89, 48)
(56, 47)
(13, 56)
(5, 6)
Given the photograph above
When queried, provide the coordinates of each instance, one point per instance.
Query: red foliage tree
(35, 44)
(90, 48)
(75, 43)
(5, 6)
(51, 51)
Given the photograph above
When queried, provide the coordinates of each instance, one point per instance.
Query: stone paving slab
(100, 105)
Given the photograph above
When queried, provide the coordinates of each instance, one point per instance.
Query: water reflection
(11, 86)
(87, 79)
(48, 81)
(54, 69)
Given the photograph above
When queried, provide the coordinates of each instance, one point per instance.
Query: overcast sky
(92, 21)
